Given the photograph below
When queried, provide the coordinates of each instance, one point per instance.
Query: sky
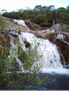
(11, 5)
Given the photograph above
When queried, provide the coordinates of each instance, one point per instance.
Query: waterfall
(50, 60)
(20, 22)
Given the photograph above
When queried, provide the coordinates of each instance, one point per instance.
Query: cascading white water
(50, 61)
(21, 22)
(14, 53)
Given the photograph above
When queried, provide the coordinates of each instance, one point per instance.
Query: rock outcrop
(60, 27)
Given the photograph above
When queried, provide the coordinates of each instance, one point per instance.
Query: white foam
(60, 36)
(20, 22)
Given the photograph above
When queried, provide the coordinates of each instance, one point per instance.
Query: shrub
(40, 19)
(9, 70)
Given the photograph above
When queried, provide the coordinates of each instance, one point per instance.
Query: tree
(51, 7)
(38, 8)
(40, 19)
(45, 7)
(67, 7)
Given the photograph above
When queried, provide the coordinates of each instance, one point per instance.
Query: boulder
(60, 27)
(56, 27)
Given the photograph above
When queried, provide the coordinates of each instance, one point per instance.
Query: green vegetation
(65, 29)
(40, 19)
(4, 66)
(16, 40)
(45, 16)
(2, 23)
(29, 58)
(9, 68)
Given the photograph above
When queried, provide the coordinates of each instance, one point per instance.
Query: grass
(2, 23)
(16, 40)
(9, 80)
(66, 29)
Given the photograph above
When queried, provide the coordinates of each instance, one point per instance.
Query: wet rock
(27, 44)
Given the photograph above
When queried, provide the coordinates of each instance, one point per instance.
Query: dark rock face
(64, 49)
(27, 44)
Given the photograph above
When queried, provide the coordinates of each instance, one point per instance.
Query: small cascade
(22, 23)
(62, 38)
(14, 53)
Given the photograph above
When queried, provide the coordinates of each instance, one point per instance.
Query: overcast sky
(10, 5)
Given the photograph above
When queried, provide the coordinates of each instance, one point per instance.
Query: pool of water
(55, 82)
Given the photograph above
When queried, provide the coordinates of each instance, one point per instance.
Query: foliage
(40, 19)
(9, 69)
(65, 29)
(29, 57)
(2, 23)
(38, 8)
(45, 16)
(16, 40)
(4, 67)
